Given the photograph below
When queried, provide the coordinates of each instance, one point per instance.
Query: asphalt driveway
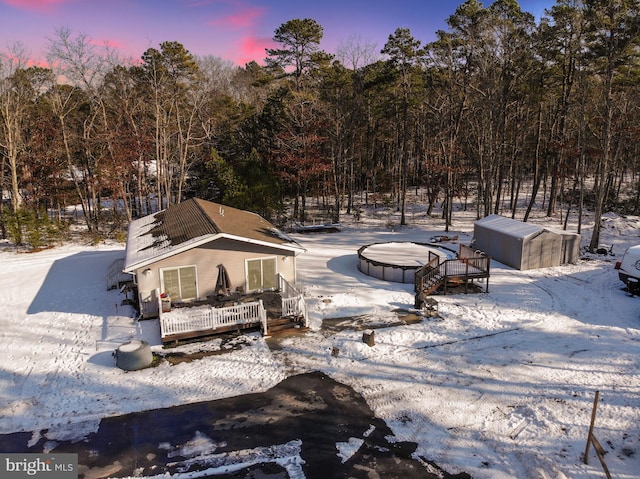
(308, 426)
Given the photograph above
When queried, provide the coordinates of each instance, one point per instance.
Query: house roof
(510, 227)
(195, 222)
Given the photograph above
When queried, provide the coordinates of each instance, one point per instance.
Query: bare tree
(614, 36)
(173, 81)
(16, 94)
(78, 63)
(355, 53)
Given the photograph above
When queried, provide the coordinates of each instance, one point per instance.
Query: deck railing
(210, 319)
(295, 307)
(466, 267)
(470, 264)
(293, 303)
(428, 272)
(151, 305)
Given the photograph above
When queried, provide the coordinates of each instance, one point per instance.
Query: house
(524, 245)
(198, 249)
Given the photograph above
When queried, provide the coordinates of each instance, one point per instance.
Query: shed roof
(195, 222)
(514, 228)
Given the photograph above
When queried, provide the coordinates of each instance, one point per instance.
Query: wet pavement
(308, 426)
(403, 317)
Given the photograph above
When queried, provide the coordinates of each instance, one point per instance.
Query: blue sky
(234, 30)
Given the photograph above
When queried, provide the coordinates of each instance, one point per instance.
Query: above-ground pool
(398, 261)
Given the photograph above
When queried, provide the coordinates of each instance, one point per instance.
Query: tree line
(499, 110)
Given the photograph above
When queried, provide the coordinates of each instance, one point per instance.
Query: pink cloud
(252, 48)
(106, 42)
(43, 6)
(18, 56)
(245, 18)
(35, 62)
(38, 63)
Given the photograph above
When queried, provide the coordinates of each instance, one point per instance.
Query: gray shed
(524, 245)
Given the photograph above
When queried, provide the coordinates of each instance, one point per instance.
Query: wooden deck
(270, 312)
(436, 275)
(199, 321)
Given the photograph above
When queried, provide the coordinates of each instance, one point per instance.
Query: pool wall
(393, 272)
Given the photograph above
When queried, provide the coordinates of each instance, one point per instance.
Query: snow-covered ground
(501, 385)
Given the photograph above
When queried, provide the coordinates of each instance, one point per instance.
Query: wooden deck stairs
(278, 324)
(433, 282)
(470, 265)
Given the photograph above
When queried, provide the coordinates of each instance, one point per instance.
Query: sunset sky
(234, 30)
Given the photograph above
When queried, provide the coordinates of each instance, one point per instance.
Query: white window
(180, 283)
(261, 274)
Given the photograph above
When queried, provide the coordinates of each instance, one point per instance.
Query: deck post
(263, 317)
(446, 276)
(466, 277)
(159, 299)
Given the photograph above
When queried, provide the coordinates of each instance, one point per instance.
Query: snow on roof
(194, 222)
(515, 228)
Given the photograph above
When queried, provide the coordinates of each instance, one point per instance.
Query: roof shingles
(192, 222)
